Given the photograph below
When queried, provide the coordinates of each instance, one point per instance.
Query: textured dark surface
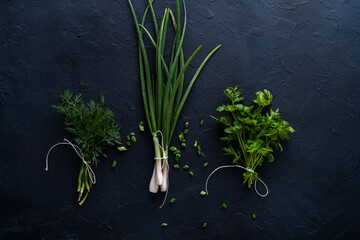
(307, 53)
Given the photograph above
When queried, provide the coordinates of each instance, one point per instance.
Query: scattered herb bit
(164, 224)
(177, 152)
(186, 131)
(199, 153)
(133, 138)
(199, 148)
(187, 124)
(251, 133)
(178, 155)
(163, 90)
(224, 206)
(114, 163)
(181, 137)
(253, 216)
(191, 173)
(172, 200)
(132, 134)
(205, 164)
(141, 126)
(202, 154)
(176, 166)
(183, 145)
(185, 167)
(122, 149)
(173, 149)
(195, 143)
(128, 137)
(202, 193)
(204, 224)
(201, 122)
(128, 143)
(94, 129)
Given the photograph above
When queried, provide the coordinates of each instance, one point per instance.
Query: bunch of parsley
(94, 128)
(252, 132)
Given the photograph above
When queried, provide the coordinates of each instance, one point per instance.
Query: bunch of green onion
(164, 95)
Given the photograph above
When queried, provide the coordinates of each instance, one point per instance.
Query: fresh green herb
(224, 206)
(199, 153)
(183, 145)
(201, 122)
(128, 137)
(172, 200)
(114, 163)
(164, 92)
(253, 216)
(186, 131)
(195, 143)
(122, 149)
(132, 134)
(178, 155)
(187, 124)
(141, 126)
(133, 139)
(176, 166)
(205, 164)
(202, 193)
(199, 148)
(94, 129)
(191, 173)
(204, 224)
(251, 134)
(173, 149)
(164, 224)
(185, 167)
(128, 143)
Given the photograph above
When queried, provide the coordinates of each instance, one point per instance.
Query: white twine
(245, 168)
(78, 152)
(164, 157)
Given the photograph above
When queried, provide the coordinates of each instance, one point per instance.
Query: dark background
(307, 53)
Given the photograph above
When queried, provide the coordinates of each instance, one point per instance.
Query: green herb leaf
(164, 224)
(224, 206)
(176, 166)
(172, 200)
(202, 193)
(185, 167)
(204, 225)
(191, 173)
(205, 164)
(201, 122)
(122, 149)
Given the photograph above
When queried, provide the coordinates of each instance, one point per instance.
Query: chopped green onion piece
(132, 134)
(177, 152)
(133, 138)
(199, 153)
(176, 166)
(205, 164)
(191, 173)
(128, 143)
(128, 137)
(183, 145)
(173, 149)
(172, 200)
(164, 224)
(114, 163)
(201, 122)
(224, 206)
(204, 224)
(185, 167)
(199, 148)
(178, 155)
(141, 127)
(122, 149)
(181, 137)
(253, 216)
(202, 193)
(195, 143)
(202, 154)
(186, 131)
(187, 124)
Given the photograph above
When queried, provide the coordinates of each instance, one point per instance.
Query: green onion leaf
(172, 200)
(224, 206)
(205, 164)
